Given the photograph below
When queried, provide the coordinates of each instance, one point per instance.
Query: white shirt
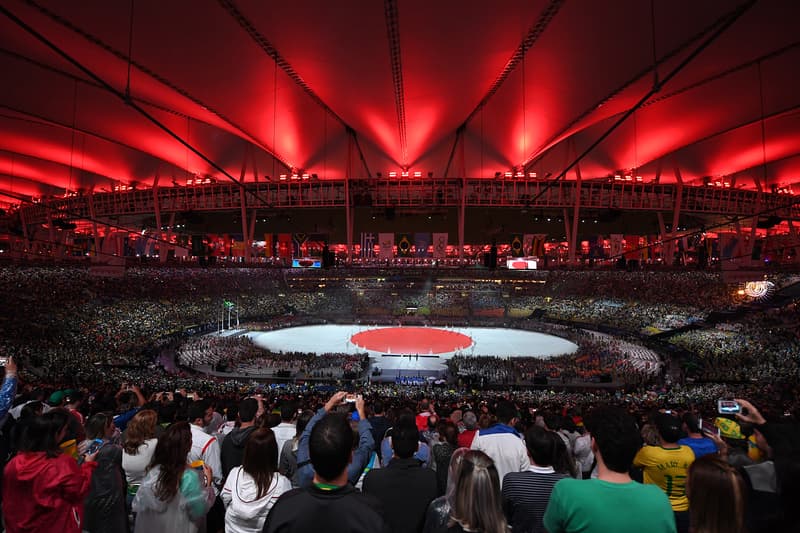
(285, 431)
(243, 512)
(206, 448)
(505, 447)
(135, 466)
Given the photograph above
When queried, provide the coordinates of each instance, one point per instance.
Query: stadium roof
(99, 93)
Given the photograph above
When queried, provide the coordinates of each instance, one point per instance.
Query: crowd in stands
(131, 457)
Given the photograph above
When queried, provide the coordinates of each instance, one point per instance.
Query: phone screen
(728, 407)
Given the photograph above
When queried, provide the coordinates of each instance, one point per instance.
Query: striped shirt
(525, 497)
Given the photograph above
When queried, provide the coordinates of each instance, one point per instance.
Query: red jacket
(45, 494)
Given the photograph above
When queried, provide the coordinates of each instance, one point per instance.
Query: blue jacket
(361, 455)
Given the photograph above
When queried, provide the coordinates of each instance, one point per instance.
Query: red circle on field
(411, 340)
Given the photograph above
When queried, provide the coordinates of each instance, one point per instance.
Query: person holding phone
(696, 440)
(105, 505)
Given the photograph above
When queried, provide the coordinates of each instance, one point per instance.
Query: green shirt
(598, 506)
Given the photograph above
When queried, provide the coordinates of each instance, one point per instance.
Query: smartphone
(95, 446)
(708, 427)
(3, 361)
(350, 398)
(728, 407)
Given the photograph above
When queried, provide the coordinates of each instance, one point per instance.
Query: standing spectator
(476, 503)
(470, 422)
(44, 488)
(204, 447)
(138, 447)
(526, 494)
(443, 451)
(129, 401)
(438, 513)
(173, 497)
(287, 428)
(331, 503)
(105, 505)
(287, 464)
(667, 466)
(596, 505)
(717, 496)
(252, 489)
(502, 443)
(232, 450)
(361, 454)
(379, 424)
(405, 476)
(699, 443)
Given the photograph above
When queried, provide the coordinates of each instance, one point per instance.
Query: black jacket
(313, 510)
(232, 451)
(405, 489)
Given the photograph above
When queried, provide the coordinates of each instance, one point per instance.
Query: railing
(442, 193)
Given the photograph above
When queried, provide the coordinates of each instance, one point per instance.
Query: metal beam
(393, 36)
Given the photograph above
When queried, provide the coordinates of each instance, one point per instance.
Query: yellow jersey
(667, 468)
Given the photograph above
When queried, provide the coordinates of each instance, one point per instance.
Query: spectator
(594, 505)
(331, 503)
(138, 446)
(502, 443)
(380, 424)
(204, 447)
(287, 464)
(525, 494)
(438, 513)
(361, 454)
(43, 488)
(173, 497)
(129, 401)
(699, 443)
(717, 497)
(476, 501)
(286, 429)
(232, 451)
(405, 476)
(667, 466)
(105, 505)
(252, 489)
(470, 429)
(443, 451)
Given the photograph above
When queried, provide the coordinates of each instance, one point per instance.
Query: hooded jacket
(42, 493)
(232, 451)
(243, 512)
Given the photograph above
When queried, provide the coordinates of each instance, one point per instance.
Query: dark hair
(449, 433)
(167, 413)
(616, 436)
(691, 422)
(505, 412)
(170, 455)
(541, 445)
(668, 427)
(39, 433)
(717, 496)
(97, 425)
(405, 438)
(302, 421)
(197, 409)
(248, 409)
(330, 445)
(552, 421)
(260, 459)
(288, 411)
(377, 407)
(126, 401)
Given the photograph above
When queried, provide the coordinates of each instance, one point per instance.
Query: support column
(567, 232)
(251, 237)
(90, 201)
(676, 215)
(163, 246)
(795, 238)
(754, 224)
(664, 236)
(243, 204)
(348, 212)
(573, 242)
(462, 213)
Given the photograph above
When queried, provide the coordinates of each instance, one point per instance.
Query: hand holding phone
(728, 407)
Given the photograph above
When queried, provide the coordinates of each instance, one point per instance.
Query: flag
(285, 245)
(386, 244)
(527, 244)
(631, 246)
(421, 243)
(728, 243)
(516, 245)
(439, 245)
(537, 247)
(298, 240)
(403, 245)
(616, 244)
(367, 245)
(269, 246)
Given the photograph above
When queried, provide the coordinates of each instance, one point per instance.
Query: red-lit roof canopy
(451, 87)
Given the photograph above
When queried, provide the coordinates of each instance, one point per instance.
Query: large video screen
(521, 263)
(306, 262)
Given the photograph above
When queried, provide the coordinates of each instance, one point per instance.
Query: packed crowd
(125, 457)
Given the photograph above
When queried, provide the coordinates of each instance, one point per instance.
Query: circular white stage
(412, 357)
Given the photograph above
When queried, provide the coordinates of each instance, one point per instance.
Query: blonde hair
(476, 501)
